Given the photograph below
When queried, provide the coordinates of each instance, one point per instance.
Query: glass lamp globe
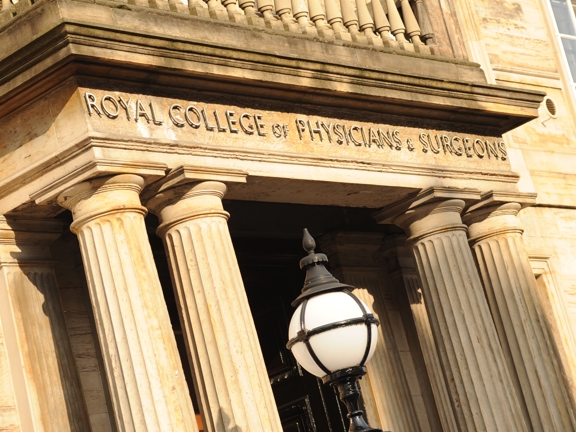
(332, 331)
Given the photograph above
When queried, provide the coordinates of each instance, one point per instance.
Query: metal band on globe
(304, 335)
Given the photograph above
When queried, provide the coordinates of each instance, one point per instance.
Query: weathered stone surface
(42, 371)
(390, 389)
(147, 384)
(482, 394)
(233, 388)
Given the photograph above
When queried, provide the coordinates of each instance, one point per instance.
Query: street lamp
(332, 333)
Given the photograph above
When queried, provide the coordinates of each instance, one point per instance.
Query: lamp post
(332, 333)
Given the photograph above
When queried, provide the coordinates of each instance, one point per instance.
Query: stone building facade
(159, 159)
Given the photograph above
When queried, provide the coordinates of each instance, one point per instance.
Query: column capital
(185, 174)
(168, 198)
(98, 168)
(493, 197)
(495, 214)
(396, 213)
(93, 198)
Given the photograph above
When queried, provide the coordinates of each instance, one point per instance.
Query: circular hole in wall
(550, 107)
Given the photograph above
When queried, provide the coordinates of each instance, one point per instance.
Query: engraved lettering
(491, 149)
(409, 144)
(300, 127)
(176, 120)
(346, 135)
(436, 140)
(424, 139)
(328, 129)
(192, 109)
(231, 121)
(277, 130)
(247, 129)
(446, 144)
(218, 125)
(366, 142)
(206, 122)
(141, 111)
(352, 137)
(478, 143)
(316, 130)
(125, 105)
(457, 151)
(91, 104)
(116, 111)
(503, 152)
(259, 125)
(374, 139)
(397, 140)
(155, 120)
(339, 132)
(467, 147)
(386, 138)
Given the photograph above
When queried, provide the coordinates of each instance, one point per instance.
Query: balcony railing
(396, 24)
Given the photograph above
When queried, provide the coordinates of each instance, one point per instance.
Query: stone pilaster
(147, 384)
(45, 384)
(385, 393)
(496, 239)
(403, 273)
(232, 383)
(482, 393)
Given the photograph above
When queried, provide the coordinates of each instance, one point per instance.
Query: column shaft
(482, 393)
(47, 389)
(148, 388)
(404, 273)
(496, 238)
(232, 382)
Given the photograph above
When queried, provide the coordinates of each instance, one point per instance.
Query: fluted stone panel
(148, 388)
(52, 380)
(430, 354)
(496, 238)
(385, 377)
(389, 399)
(231, 378)
(482, 393)
(43, 372)
(402, 272)
(9, 421)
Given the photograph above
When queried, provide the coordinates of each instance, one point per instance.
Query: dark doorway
(267, 240)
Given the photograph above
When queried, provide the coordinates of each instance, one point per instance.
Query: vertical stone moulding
(148, 388)
(386, 392)
(232, 382)
(48, 394)
(405, 274)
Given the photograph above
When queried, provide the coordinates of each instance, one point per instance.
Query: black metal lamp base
(346, 382)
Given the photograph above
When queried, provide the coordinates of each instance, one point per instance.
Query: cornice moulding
(183, 50)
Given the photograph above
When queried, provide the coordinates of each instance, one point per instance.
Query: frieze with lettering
(216, 123)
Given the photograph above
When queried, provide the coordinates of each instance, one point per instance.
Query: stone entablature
(370, 158)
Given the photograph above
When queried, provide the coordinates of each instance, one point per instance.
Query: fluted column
(231, 378)
(496, 238)
(148, 388)
(385, 389)
(405, 274)
(481, 390)
(45, 383)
